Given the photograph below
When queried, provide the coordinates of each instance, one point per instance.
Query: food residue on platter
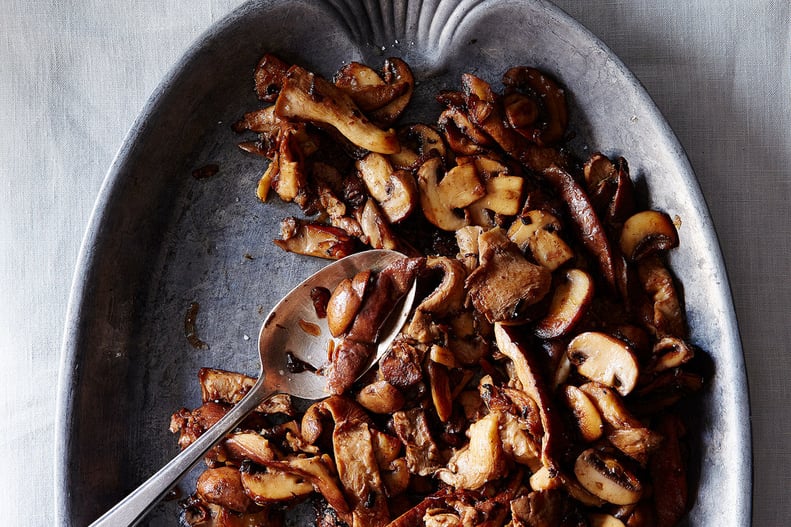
(189, 327)
(206, 171)
(310, 328)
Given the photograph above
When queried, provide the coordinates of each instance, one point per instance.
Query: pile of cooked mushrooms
(537, 381)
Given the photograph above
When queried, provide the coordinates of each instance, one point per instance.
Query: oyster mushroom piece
(309, 97)
(648, 232)
(419, 142)
(478, 462)
(570, 301)
(665, 316)
(606, 477)
(605, 359)
(269, 76)
(438, 198)
(394, 190)
(314, 239)
(505, 283)
(537, 231)
(273, 486)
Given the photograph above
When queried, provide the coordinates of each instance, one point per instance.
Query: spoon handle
(134, 507)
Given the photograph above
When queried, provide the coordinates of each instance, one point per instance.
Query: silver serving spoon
(283, 331)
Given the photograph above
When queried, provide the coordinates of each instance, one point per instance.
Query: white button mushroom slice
(437, 198)
(394, 190)
(605, 359)
(537, 231)
(503, 196)
(542, 479)
(570, 301)
(606, 477)
(647, 232)
(309, 97)
(586, 415)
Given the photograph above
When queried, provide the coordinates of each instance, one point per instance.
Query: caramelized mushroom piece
(478, 462)
(419, 142)
(381, 397)
(665, 316)
(394, 190)
(345, 302)
(274, 486)
(309, 97)
(537, 231)
(648, 232)
(395, 71)
(270, 74)
(586, 415)
(366, 87)
(605, 359)
(570, 301)
(439, 199)
(606, 477)
(552, 102)
(505, 283)
(314, 239)
(223, 486)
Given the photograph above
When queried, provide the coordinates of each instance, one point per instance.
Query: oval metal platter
(161, 240)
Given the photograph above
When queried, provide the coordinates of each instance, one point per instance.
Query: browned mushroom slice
(423, 455)
(376, 230)
(600, 519)
(381, 397)
(609, 186)
(648, 232)
(478, 462)
(345, 302)
(448, 296)
(552, 100)
(270, 74)
(503, 196)
(359, 473)
(309, 97)
(223, 486)
(395, 71)
(606, 477)
(394, 190)
(366, 87)
(586, 415)
(605, 359)
(262, 121)
(537, 231)
(669, 353)
(505, 283)
(273, 486)
(454, 125)
(223, 386)
(570, 300)
(527, 368)
(438, 198)
(249, 445)
(589, 228)
(545, 508)
(419, 142)
(314, 239)
(666, 316)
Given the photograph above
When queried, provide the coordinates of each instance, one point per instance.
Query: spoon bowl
(292, 329)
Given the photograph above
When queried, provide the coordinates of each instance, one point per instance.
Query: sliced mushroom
(606, 477)
(366, 88)
(503, 196)
(480, 461)
(665, 316)
(551, 98)
(648, 232)
(423, 456)
(537, 231)
(505, 283)
(669, 353)
(376, 229)
(467, 240)
(589, 227)
(274, 486)
(586, 415)
(605, 359)
(309, 97)
(395, 191)
(570, 300)
(314, 239)
(448, 296)
(223, 486)
(600, 519)
(249, 445)
(610, 188)
(463, 137)
(438, 199)
(381, 397)
(345, 302)
(419, 142)
(395, 71)
(439, 382)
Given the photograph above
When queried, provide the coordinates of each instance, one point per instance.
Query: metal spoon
(283, 331)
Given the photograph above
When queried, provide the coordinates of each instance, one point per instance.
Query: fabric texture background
(74, 75)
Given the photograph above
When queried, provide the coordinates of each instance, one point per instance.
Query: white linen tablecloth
(74, 75)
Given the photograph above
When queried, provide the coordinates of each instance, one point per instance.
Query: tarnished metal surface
(161, 239)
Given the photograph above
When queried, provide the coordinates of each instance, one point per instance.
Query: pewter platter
(160, 239)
